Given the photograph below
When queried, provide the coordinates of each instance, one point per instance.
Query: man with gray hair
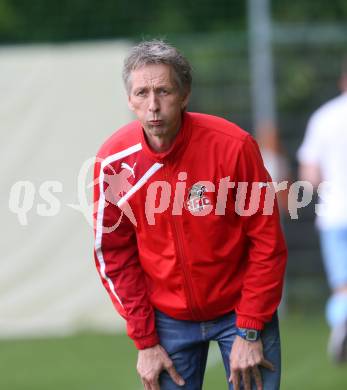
(185, 256)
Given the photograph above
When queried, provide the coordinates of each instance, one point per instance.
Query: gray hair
(158, 51)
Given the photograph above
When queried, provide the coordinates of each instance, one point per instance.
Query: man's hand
(245, 358)
(151, 362)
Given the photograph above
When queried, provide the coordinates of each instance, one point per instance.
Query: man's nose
(153, 103)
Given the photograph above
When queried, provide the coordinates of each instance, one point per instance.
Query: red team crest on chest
(197, 201)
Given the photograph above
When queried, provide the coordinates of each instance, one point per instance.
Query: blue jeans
(187, 344)
(334, 251)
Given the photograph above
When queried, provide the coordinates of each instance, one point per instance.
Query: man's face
(156, 100)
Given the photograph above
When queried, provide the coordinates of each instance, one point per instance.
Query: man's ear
(130, 104)
(185, 100)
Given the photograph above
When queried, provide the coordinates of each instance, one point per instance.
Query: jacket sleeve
(117, 262)
(266, 253)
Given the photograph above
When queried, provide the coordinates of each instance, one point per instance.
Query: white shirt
(325, 144)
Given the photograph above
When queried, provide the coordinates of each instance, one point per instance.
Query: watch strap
(248, 334)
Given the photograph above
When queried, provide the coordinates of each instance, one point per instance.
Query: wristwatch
(248, 334)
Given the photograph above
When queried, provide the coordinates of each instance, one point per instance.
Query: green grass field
(97, 361)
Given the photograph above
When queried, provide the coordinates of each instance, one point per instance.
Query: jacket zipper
(192, 306)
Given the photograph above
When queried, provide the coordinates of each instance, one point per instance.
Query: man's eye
(140, 93)
(163, 91)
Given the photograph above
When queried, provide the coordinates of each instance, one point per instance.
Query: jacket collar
(178, 146)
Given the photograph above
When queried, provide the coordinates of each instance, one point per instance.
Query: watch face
(252, 335)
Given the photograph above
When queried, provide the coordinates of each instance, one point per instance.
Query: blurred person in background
(275, 159)
(276, 162)
(180, 274)
(323, 158)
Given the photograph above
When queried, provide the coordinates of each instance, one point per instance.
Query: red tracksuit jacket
(169, 233)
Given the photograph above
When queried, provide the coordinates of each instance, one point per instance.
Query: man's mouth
(155, 122)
